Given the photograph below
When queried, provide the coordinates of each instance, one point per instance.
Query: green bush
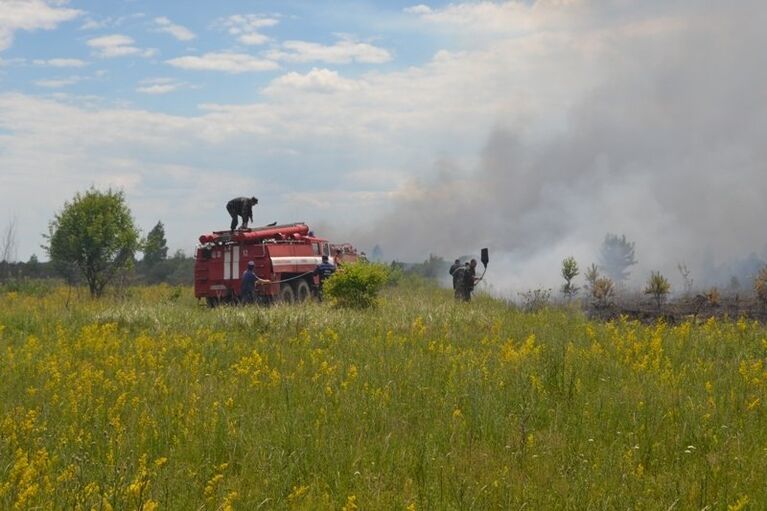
(356, 286)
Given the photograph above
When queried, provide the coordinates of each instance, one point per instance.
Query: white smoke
(667, 148)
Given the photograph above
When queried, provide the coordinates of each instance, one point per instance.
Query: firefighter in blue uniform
(325, 270)
(248, 284)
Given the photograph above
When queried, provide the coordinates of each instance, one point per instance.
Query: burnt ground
(696, 308)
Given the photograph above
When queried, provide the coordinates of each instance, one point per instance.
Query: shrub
(535, 299)
(657, 286)
(395, 274)
(591, 276)
(760, 286)
(356, 286)
(602, 291)
(713, 297)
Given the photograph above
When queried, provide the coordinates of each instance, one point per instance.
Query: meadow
(148, 401)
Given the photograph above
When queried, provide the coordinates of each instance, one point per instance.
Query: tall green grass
(148, 400)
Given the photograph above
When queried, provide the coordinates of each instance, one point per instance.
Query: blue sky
(136, 65)
(426, 126)
(176, 57)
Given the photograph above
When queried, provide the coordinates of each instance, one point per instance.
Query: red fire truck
(344, 253)
(285, 254)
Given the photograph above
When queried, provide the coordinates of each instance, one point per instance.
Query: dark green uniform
(468, 279)
(458, 274)
(243, 207)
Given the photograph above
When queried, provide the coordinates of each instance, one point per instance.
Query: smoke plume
(668, 148)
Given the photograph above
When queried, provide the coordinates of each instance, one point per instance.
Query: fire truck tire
(212, 302)
(286, 293)
(303, 291)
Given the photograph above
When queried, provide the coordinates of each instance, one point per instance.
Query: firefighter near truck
(286, 255)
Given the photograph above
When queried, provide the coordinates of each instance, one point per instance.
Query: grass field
(151, 402)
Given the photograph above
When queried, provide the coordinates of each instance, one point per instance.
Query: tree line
(94, 241)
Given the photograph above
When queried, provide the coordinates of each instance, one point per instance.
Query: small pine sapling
(591, 276)
(569, 272)
(657, 286)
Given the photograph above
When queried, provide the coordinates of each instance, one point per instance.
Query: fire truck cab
(287, 255)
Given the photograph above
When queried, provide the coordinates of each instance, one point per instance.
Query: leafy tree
(657, 286)
(569, 272)
(155, 246)
(433, 268)
(616, 257)
(177, 269)
(33, 265)
(94, 234)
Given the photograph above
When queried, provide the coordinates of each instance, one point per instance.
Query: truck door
(232, 262)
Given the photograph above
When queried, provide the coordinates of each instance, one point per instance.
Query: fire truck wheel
(286, 293)
(303, 291)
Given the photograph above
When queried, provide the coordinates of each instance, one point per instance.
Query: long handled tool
(485, 258)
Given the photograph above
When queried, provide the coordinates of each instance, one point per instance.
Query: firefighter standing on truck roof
(243, 207)
(325, 270)
(248, 284)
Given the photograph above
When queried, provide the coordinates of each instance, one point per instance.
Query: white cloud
(117, 45)
(30, 15)
(157, 86)
(418, 9)
(247, 27)
(316, 80)
(489, 19)
(61, 62)
(508, 17)
(227, 62)
(253, 39)
(343, 52)
(57, 83)
(110, 21)
(181, 33)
